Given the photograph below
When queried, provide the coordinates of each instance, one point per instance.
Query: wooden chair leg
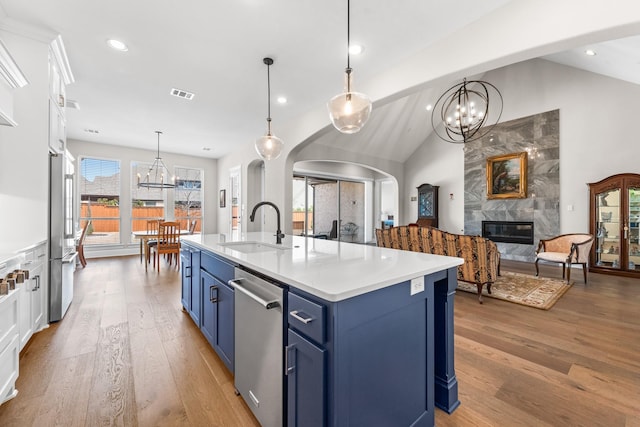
(568, 273)
(584, 271)
(479, 293)
(537, 271)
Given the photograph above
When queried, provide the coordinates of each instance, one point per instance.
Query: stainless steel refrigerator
(62, 252)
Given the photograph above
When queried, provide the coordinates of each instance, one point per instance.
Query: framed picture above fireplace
(507, 176)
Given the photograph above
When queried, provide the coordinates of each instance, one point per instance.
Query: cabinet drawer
(8, 317)
(9, 358)
(307, 317)
(217, 267)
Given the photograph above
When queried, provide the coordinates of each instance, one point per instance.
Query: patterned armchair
(481, 256)
(566, 249)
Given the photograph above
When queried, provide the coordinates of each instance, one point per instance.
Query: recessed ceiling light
(429, 107)
(356, 49)
(117, 45)
(282, 100)
(590, 52)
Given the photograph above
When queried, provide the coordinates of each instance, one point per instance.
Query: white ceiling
(215, 50)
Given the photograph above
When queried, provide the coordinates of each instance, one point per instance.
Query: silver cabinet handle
(287, 351)
(235, 283)
(211, 298)
(296, 316)
(185, 271)
(28, 262)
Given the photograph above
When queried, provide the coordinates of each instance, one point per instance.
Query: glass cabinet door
(632, 227)
(608, 229)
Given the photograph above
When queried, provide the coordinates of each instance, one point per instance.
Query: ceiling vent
(182, 94)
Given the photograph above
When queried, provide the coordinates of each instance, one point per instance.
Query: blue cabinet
(306, 382)
(185, 265)
(218, 305)
(217, 316)
(190, 270)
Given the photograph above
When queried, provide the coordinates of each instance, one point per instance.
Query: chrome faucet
(279, 234)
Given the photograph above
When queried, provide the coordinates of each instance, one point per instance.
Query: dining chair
(152, 228)
(80, 244)
(168, 243)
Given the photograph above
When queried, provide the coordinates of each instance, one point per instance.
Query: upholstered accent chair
(481, 256)
(566, 249)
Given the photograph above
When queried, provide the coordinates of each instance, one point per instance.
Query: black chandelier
(464, 111)
(158, 175)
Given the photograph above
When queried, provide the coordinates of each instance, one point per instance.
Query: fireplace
(508, 231)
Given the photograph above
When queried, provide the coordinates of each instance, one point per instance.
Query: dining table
(144, 236)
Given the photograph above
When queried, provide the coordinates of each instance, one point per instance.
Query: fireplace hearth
(520, 232)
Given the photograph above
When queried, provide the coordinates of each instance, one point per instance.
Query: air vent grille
(182, 94)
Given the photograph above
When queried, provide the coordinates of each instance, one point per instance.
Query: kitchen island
(367, 331)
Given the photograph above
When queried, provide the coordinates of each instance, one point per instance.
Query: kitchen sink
(254, 247)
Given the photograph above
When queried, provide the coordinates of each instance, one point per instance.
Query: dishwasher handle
(235, 283)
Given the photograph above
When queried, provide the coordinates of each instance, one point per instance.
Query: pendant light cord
(159, 133)
(268, 62)
(348, 70)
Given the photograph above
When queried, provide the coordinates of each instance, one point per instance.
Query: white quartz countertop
(329, 269)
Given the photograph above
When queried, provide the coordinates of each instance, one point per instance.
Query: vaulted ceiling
(215, 50)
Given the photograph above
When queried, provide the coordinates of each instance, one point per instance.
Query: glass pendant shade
(349, 111)
(269, 147)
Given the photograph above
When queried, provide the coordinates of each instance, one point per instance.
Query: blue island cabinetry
(209, 299)
(383, 357)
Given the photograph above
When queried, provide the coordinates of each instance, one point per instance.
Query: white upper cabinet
(12, 78)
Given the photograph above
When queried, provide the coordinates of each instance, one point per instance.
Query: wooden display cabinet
(615, 222)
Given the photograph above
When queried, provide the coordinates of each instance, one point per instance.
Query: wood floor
(126, 354)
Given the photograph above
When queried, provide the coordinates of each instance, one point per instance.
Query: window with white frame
(188, 198)
(99, 190)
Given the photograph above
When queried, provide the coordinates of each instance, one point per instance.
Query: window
(188, 198)
(99, 189)
(146, 203)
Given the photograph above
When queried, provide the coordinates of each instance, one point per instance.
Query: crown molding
(59, 52)
(10, 70)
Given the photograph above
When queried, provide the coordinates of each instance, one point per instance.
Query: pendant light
(349, 111)
(269, 146)
(158, 175)
(464, 111)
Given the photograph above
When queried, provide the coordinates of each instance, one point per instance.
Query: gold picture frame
(507, 176)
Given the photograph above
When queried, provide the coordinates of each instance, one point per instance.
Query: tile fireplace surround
(541, 206)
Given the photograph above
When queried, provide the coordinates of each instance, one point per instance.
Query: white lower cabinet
(9, 340)
(23, 312)
(33, 294)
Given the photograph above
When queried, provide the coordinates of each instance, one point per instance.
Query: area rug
(537, 292)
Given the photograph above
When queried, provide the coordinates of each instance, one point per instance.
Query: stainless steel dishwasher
(259, 346)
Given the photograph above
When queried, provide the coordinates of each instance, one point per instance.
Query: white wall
(127, 155)
(439, 63)
(597, 137)
(24, 161)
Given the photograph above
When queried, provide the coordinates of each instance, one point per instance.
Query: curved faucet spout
(252, 217)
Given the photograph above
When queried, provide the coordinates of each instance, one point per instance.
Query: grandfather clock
(428, 205)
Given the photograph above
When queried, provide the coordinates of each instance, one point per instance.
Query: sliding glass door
(328, 208)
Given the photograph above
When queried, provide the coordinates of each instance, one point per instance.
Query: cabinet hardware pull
(185, 271)
(211, 298)
(235, 283)
(35, 288)
(296, 316)
(289, 369)
(28, 262)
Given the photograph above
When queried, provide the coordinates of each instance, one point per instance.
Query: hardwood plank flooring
(127, 355)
